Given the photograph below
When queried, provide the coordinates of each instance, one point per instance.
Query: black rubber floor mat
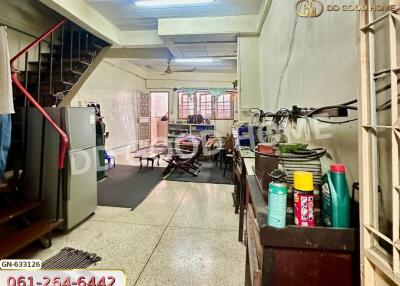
(70, 258)
(127, 186)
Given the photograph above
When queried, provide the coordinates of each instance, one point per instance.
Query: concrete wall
(312, 62)
(114, 85)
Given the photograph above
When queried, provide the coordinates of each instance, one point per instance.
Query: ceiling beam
(175, 51)
(139, 53)
(228, 25)
(266, 5)
(141, 39)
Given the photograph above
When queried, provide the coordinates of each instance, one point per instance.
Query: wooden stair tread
(16, 210)
(8, 183)
(68, 83)
(9, 175)
(76, 72)
(5, 187)
(18, 240)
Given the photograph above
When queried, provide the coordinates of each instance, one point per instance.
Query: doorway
(159, 118)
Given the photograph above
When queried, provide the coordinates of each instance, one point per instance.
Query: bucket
(265, 148)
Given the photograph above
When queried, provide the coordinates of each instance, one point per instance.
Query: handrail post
(26, 75)
(71, 47)
(79, 43)
(51, 63)
(62, 53)
(39, 71)
(41, 167)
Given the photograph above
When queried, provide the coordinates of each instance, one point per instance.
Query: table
(311, 256)
(149, 156)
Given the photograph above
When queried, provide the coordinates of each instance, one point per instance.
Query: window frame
(188, 103)
(198, 104)
(231, 107)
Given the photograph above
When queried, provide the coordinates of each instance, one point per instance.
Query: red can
(304, 208)
(303, 199)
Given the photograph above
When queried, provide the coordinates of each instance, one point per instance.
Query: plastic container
(265, 148)
(335, 198)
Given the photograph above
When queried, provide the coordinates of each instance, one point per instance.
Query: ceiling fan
(169, 70)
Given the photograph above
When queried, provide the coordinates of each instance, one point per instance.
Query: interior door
(144, 122)
(159, 108)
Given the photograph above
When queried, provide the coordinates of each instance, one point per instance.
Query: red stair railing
(31, 99)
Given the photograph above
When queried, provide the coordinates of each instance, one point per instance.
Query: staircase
(53, 64)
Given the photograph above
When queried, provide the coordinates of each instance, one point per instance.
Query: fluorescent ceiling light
(155, 3)
(194, 60)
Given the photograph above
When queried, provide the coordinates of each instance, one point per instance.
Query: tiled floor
(182, 234)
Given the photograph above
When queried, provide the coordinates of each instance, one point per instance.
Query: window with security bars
(379, 130)
(223, 107)
(206, 104)
(186, 105)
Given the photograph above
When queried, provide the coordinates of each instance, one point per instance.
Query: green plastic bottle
(335, 197)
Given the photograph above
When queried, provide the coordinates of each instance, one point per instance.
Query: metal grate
(373, 255)
(70, 258)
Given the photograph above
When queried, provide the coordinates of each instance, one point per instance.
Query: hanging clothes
(5, 141)
(6, 101)
(6, 95)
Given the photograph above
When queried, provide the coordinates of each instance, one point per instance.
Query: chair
(220, 154)
(185, 162)
(228, 161)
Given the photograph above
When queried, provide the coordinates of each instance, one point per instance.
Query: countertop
(249, 163)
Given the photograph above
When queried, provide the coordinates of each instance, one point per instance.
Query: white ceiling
(125, 15)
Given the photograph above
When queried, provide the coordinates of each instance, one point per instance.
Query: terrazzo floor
(181, 234)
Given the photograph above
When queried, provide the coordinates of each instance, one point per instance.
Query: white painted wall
(249, 76)
(114, 85)
(322, 69)
(25, 20)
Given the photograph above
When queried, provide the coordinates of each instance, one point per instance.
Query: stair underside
(16, 210)
(18, 240)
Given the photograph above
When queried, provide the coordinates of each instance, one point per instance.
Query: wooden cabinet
(240, 170)
(315, 256)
